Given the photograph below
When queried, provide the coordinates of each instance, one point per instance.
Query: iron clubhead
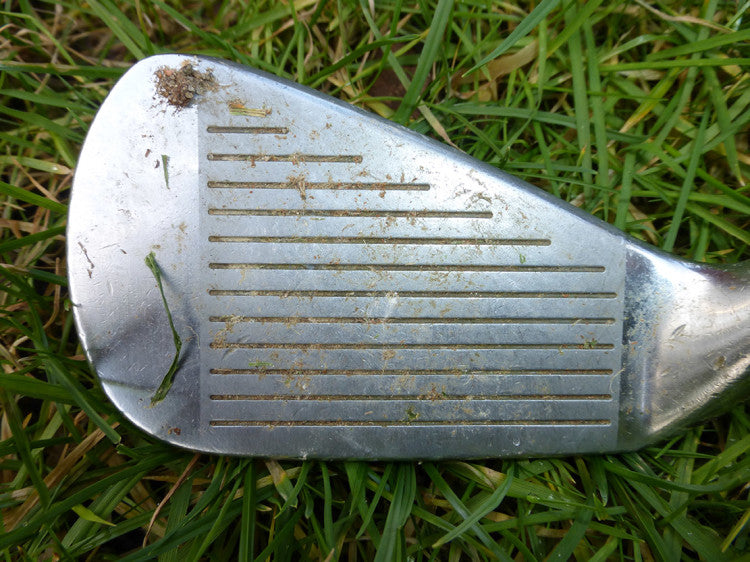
(346, 288)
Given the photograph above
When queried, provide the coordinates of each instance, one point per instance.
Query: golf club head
(343, 287)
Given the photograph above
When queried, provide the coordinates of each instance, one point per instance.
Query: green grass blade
(485, 507)
(430, 51)
(220, 520)
(168, 379)
(57, 373)
(18, 243)
(283, 537)
(667, 64)
(603, 554)
(23, 446)
(328, 531)
(522, 30)
(463, 512)
(720, 223)
(115, 20)
(32, 198)
(34, 388)
(56, 509)
(597, 109)
(249, 511)
(399, 511)
(177, 510)
(573, 25)
(687, 185)
(380, 490)
(702, 45)
(580, 97)
(565, 548)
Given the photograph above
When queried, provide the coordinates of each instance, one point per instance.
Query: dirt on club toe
(180, 86)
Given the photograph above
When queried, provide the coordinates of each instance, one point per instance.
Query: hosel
(686, 344)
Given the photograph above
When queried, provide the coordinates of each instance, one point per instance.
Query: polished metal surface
(346, 288)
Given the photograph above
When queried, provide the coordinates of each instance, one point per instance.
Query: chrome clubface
(346, 288)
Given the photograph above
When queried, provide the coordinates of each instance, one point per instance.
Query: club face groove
(355, 290)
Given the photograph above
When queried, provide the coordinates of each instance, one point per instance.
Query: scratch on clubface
(88, 259)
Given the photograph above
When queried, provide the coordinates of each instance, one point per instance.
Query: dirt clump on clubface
(180, 86)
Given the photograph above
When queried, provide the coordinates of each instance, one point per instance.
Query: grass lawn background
(635, 111)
